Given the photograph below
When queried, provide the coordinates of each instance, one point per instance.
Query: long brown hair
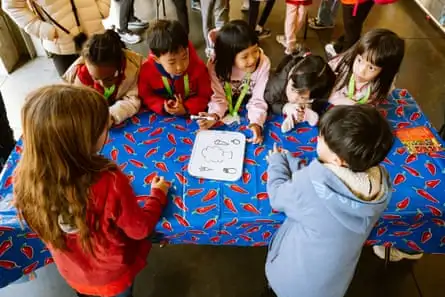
(61, 127)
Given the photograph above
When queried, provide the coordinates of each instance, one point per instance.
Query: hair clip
(307, 54)
(322, 71)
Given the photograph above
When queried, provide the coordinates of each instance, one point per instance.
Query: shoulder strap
(39, 9)
(74, 8)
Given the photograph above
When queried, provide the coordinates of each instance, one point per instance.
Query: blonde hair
(59, 164)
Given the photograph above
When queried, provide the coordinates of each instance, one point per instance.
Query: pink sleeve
(257, 106)
(218, 102)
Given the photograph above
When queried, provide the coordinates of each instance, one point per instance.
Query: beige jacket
(128, 101)
(54, 40)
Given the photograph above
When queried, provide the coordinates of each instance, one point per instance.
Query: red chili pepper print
(180, 203)
(292, 138)
(442, 241)
(403, 93)
(426, 236)
(266, 235)
(209, 195)
(412, 245)
(18, 149)
(415, 116)
(129, 150)
(438, 222)
(253, 229)
(181, 220)
(306, 148)
(264, 177)
(381, 231)
(274, 136)
(400, 111)
(161, 166)
(303, 130)
(417, 225)
(194, 192)
(231, 223)
(28, 251)
(402, 125)
(411, 171)
(181, 178)
(152, 118)
(399, 223)
(142, 129)
(435, 211)
(169, 153)
(400, 150)
(137, 163)
(230, 205)
(149, 178)
(151, 152)
(388, 161)
(210, 223)
(391, 217)
(5, 246)
(129, 137)
(401, 205)
(411, 158)
(114, 153)
(402, 233)
(388, 244)
(432, 183)
(166, 225)
(171, 137)
(204, 209)
(30, 268)
(258, 151)
(246, 177)
(231, 241)
(136, 120)
(262, 196)
(187, 140)
(426, 195)
(49, 260)
(436, 156)
(182, 158)
(245, 237)
(150, 141)
(370, 242)
(179, 127)
(224, 232)
(29, 235)
(238, 189)
(6, 228)
(156, 132)
(250, 208)
(8, 264)
(250, 162)
(123, 166)
(399, 179)
(215, 239)
(418, 216)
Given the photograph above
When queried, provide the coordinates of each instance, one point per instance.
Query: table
(219, 213)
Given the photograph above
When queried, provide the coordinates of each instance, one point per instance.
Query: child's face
(325, 154)
(106, 76)
(364, 71)
(297, 96)
(103, 137)
(247, 59)
(175, 63)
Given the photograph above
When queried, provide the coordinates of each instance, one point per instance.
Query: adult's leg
(182, 13)
(221, 11)
(294, 22)
(324, 16)
(63, 62)
(266, 12)
(7, 141)
(207, 7)
(254, 8)
(126, 11)
(354, 24)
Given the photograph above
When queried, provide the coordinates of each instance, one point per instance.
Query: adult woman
(58, 23)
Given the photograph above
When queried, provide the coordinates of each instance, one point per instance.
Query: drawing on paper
(218, 155)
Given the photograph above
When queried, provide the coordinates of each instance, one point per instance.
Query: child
(299, 80)
(240, 70)
(78, 202)
(366, 72)
(173, 80)
(295, 17)
(110, 69)
(331, 205)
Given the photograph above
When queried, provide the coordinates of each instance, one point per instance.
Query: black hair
(307, 72)
(358, 134)
(382, 48)
(232, 38)
(167, 36)
(105, 49)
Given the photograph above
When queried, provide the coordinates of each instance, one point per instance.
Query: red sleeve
(137, 222)
(200, 101)
(149, 99)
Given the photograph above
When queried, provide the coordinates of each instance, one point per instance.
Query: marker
(197, 118)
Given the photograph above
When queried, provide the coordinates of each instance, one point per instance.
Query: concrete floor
(194, 271)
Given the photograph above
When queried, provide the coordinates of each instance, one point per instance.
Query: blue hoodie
(315, 252)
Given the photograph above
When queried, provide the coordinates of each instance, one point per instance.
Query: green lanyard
(351, 92)
(109, 91)
(168, 88)
(233, 111)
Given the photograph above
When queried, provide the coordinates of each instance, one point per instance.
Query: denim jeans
(327, 12)
(215, 14)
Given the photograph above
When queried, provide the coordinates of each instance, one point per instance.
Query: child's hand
(160, 183)
(175, 107)
(206, 124)
(257, 131)
(275, 150)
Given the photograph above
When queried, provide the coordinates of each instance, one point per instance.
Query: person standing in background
(254, 7)
(245, 6)
(61, 25)
(128, 21)
(7, 141)
(327, 13)
(215, 14)
(182, 13)
(196, 5)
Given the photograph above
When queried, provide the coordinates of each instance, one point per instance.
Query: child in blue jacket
(331, 205)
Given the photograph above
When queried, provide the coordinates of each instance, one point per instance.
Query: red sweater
(153, 93)
(119, 228)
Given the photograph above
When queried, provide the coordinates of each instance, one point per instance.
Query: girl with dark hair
(366, 72)
(239, 73)
(112, 70)
(301, 82)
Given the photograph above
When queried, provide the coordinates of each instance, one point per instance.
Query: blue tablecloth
(220, 213)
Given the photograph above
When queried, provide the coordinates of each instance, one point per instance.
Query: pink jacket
(257, 106)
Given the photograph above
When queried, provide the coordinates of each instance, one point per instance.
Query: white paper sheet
(218, 155)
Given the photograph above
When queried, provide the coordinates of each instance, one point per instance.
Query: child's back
(330, 209)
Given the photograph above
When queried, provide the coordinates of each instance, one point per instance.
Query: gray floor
(183, 271)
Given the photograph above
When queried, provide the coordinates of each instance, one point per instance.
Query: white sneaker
(130, 37)
(281, 39)
(245, 6)
(210, 52)
(330, 51)
(395, 255)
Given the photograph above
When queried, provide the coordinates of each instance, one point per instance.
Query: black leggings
(7, 141)
(63, 62)
(182, 12)
(353, 25)
(254, 8)
(125, 14)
